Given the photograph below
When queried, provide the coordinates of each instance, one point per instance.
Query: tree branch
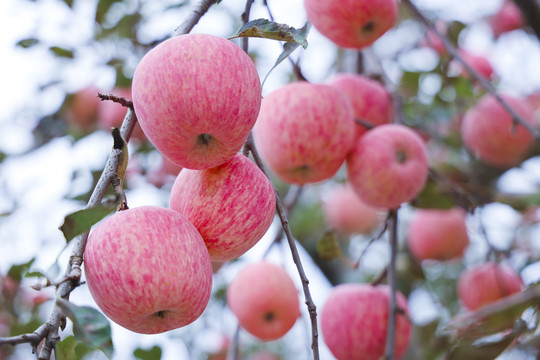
(391, 277)
(197, 11)
(481, 80)
(296, 257)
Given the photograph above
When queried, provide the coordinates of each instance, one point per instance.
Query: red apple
(369, 98)
(148, 270)
(478, 63)
(232, 205)
(304, 131)
(486, 283)
(346, 212)
(388, 166)
(438, 234)
(352, 23)
(354, 322)
(197, 97)
(82, 108)
(489, 132)
(508, 18)
(264, 299)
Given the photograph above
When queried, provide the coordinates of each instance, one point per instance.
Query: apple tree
(271, 180)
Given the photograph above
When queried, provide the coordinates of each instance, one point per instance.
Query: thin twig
(197, 11)
(374, 238)
(391, 277)
(245, 20)
(481, 80)
(117, 99)
(296, 257)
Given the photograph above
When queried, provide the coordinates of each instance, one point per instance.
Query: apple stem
(479, 78)
(282, 214)
(391, 277)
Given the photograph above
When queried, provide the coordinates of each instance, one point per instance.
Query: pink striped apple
(232, 205)
(346, 212)
(304, 132)
(438, 234)
(370, 100)
(388, 166)
(508, 18)
(483, 284)
(489, 132)
(352, 23)
(264, 299)
(148, 270)
(354, 322)
(197, 97)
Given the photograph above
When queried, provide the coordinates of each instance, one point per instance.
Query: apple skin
(354, 322)
(264, 299)
(388, 166)
(232, 205)
(347, 213)
(369, 99)
(352, 23)
(478, 63)
(197, 98)
(508, 18)
(489, 133)
(148, 270)
(438, 234)
(304, 132)
(486, 283)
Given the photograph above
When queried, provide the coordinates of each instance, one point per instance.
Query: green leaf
(432, 197)
(26, 43)
(519, 202)
(89, 326)
(288, 49)
(264, 28)
(71, 349)
(151, 354)
(81, 221)
(494, 317)
(16, 272)
(328, 246)
(62, 52)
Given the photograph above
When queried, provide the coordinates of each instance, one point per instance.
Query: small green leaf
(71, 349)
(81, 221)
(328, 246)
(264, 28)
(26, 43)
(519, 202)
(16, 272)
(151, 354)
(432, 197)
(62, 52)
(89, 326)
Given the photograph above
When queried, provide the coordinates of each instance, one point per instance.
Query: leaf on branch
(519, 202)
(89, 326)
(328, 246)
(71, 349)
(432, 197)
(264, 28)
(288, 49)
(62, 52)
(16, 272)
(81, 221)
(26, 43)
(494, 317)
(151, 354)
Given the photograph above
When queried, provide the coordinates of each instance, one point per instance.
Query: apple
(148, 270)
(388, 166)
(265, 355)
(489, 131)
(197, 97)
(354, 322)
(232, 205)
(346, 212)
(479, 63)
(304, 131)
(166, 173)
(370, 100)
(486, 283)
(264, 299)
(112, 114)
(508, 18)
(352, 23)
(82, 107)
(438, 234)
